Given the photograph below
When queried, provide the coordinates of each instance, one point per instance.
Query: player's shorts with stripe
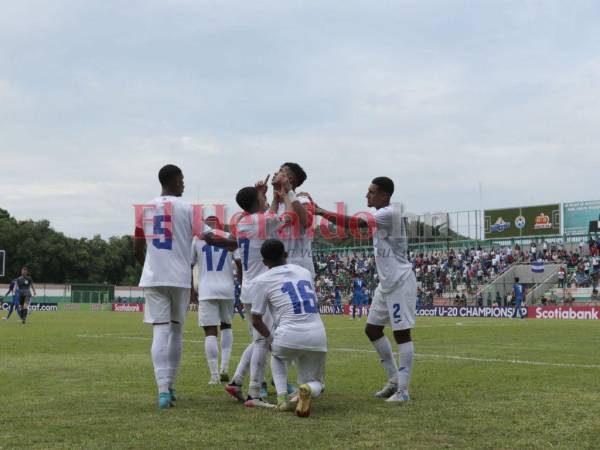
(310, 364)
(397, 308)
(214, 312)
(166, 304)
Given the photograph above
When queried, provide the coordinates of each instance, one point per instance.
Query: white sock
(315, 388)
(226, 345)
(384, 350)
(244, 365)
(159, 351)
(406, 352)
(211, 348)
(258, 364)
(280, 375)
(175, 347)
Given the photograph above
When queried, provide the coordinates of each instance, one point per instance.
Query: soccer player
(518, 294)
(358, 296)
(12, 287)
(296, 234)
(216, 290)
(25, 286)
(394, 300)
(338, 300)
(254, 227)
(287, 291)
(166, 277)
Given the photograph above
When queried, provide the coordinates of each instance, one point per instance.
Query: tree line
(53, 257)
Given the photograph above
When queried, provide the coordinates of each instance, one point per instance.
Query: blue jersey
(338, 296)
(357, 285)
(518, 288)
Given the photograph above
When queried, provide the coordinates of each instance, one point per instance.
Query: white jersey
(215, 271)
(289, 294)
(391, 247)
(251, 232)
(298, 248)
(168, 230)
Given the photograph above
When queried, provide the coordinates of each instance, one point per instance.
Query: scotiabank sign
(128, 307)
(564, 312)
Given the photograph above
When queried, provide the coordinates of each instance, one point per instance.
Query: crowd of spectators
(459, 275)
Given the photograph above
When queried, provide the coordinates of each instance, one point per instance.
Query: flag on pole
(537, 267)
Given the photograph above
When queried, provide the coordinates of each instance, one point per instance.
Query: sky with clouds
(96, 96)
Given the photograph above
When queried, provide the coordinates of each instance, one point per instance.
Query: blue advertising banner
(581, 217)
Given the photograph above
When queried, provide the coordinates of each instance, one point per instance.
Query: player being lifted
(25, 286)
(166, 277)
(296, 235)
(287, 291)
(216, 289)
(394, 301)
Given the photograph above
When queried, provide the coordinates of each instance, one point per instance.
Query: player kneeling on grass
(287, 291)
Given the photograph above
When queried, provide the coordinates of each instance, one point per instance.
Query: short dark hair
(246, 198)
(272, 250)
(517, 279)
(385, 184)
(298, 172)
(167, 174)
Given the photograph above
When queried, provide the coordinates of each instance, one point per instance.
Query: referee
(25, 285)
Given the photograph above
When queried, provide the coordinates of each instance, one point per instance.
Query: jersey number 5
(162, 227)
(309, 299)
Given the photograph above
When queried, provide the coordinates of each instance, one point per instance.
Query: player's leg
(280, 359)
(402, 309)
(235, 387)
(180, 300)
(226, 310)
(208, 318)
(376, 322)
(157, 313)
(10, 310)
(311, 373)
(258, 365)
(24, 303)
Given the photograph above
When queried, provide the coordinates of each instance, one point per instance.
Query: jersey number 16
(309, 299)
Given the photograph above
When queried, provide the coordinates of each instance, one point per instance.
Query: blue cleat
(291, 389)
(264, 392)
(164, 400)
(172, 393)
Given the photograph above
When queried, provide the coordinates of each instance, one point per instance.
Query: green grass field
(84, 380)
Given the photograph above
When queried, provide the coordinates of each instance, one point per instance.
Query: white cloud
(96, 96)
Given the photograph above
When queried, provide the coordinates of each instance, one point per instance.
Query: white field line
(354, 350)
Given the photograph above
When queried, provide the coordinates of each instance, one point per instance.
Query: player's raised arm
(227, 243)
(293, 204)
(341, 220)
